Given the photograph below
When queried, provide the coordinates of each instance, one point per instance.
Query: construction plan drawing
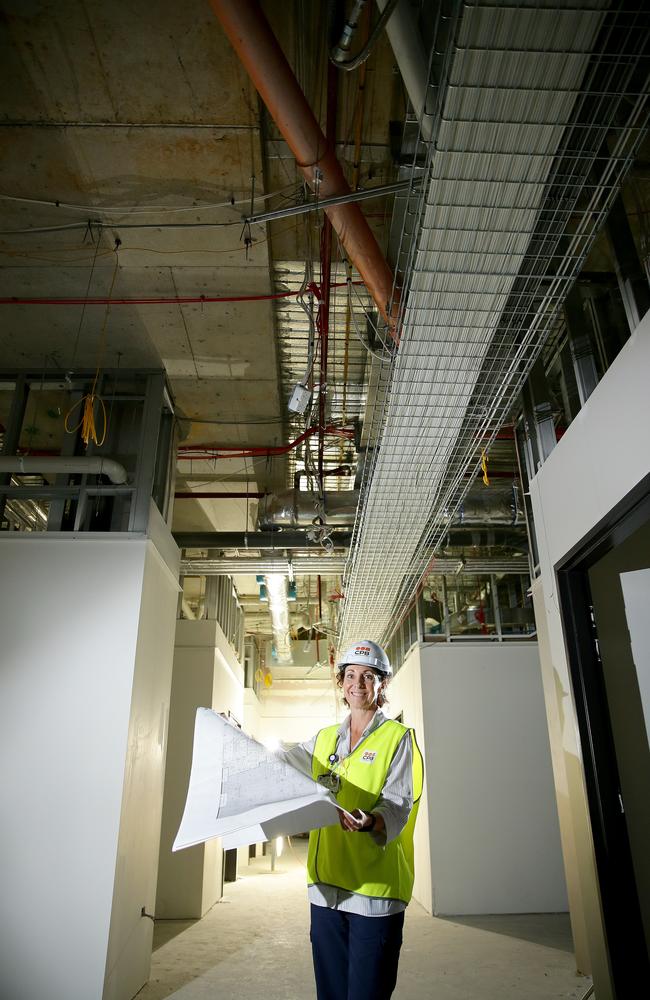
(241, 792)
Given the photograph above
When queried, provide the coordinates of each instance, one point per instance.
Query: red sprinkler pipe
(320, 614)
(211, 451)
(252, 39)
(326, 278)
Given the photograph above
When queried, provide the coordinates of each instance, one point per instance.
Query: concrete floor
(255, 943)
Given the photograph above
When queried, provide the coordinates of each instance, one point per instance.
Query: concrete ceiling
(120, 122)
(131, 133)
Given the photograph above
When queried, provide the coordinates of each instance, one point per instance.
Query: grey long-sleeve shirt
(394, 804)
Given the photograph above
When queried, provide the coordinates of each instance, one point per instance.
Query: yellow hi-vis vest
(353, 861)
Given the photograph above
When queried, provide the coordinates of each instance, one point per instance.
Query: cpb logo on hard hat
(366, 652)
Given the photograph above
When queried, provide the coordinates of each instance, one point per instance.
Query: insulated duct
(406, 43)
(276, 589)
(294, 508)
(255, 44)
(84, 466)
(484, 506)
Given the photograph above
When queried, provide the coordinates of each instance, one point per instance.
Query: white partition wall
(292, 710)
(87, 640)
(489, 820)
(575, 489)
(277, 719)
(130, 938)
(206, 674)
(405, 700)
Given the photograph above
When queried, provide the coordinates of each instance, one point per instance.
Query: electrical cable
(307, 285)
(33, 255)
(87, 402)
(121, 225)
(137, 210)
(28, 255)
(99, 224)
(83, 311)
(484, 468)
(384, 359)
(185, 327)
(157, 300)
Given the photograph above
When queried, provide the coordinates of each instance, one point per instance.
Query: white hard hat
(367, 653)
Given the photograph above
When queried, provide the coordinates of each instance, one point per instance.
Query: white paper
(241, 792)
(636, 595)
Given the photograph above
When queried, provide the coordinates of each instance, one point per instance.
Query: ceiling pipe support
(255, 44)
(306, 566)
(218, 495)
(362, 194)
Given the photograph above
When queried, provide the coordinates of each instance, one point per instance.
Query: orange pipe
(252, 39)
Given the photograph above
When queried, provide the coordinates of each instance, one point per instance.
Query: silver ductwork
(411, 59)
(483, 506)
(276, 589)
(294, 508)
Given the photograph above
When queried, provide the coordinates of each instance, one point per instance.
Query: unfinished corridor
(255, 943)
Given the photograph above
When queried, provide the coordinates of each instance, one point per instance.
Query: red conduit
(320, 615)
(204, 452)
(326, 276)
(171, 300)
(323, 326)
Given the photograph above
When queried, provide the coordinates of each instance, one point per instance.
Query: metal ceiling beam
(278, 540)
(218, 495)
(342, 199)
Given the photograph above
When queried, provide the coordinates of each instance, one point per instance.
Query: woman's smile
(360, 684)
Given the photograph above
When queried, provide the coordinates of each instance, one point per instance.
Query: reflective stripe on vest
(353, 861)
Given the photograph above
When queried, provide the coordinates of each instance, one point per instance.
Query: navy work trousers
(355, 957)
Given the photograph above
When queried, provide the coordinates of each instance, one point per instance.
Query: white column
(206, 674)
(86, 625)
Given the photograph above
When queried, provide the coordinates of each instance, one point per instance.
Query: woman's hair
(381, 697)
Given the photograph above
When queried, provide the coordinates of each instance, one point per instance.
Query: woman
(360, 874)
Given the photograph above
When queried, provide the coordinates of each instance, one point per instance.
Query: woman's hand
(357, 820)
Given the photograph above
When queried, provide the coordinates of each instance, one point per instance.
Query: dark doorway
(608, 680)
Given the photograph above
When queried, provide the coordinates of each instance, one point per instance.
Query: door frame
(623, 923)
